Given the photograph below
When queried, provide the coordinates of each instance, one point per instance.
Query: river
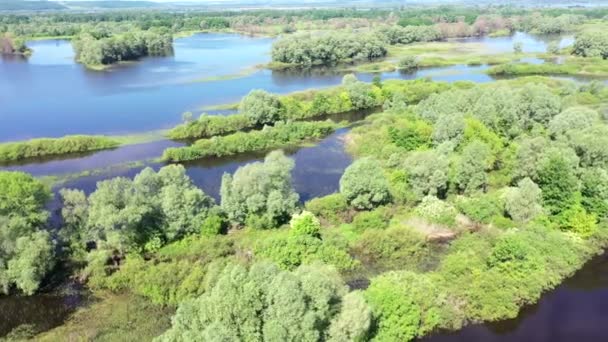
(55, 96)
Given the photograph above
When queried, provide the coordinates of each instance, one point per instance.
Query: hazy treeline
(104, 50)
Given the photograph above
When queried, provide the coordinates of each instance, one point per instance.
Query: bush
(260, 194)
(210, 125)
(331, 207)
(437, 211)
(408, 63)
(305, 224)
(375, 219)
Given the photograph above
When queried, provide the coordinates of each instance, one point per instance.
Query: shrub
(305, 224)
(330, 208)
(408, 63)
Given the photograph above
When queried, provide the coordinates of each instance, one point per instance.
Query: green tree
(267, 304)
(260, 193)
(471, 171)
(27, 251)
(364, 185)
(523, 203)
(124, 215)
(305, 224)
(427, 173)
(261, 107)
(573, 118)
(558, 184)
(594, 190)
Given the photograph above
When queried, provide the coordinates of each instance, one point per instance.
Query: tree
(558, 184)
(408, 63)
(353, 321)
(427, 173)
(591, 44)
(27, 251)
(594, 191)
(362, 95)
(537, 104)
(305, 224)
(523, 203)
(124, 214)
(573, 118)
(261, 107)
(475, 161)
(260, 193)
(267, 304)
(406, 305)
(364, 185)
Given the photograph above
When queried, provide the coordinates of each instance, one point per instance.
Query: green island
(461, 204)
(42, 147)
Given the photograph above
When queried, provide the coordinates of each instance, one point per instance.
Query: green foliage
(427, 173)
(573, 118)
(261, 190)
(267, 304)
(124, 215)
(260, 107)
(213, 225)
(353, 321)
(27, 252)
(591, 44)
(410, 34)
(577, 220)
(375, 219)
(482, 208)
(329, 208)
(364, 185)
(305, 224)
(437, 211)
(408, 63)
(292, 250)
(412, 135)
(558, 184)
(281, 135)
(210, 125)
(327, 49)
(53, 146)
(594, 191)
(475, 161)
(362, 95)
(523, 203)
(407, 305)
(395, 248)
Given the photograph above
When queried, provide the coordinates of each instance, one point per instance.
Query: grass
(114, 317)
